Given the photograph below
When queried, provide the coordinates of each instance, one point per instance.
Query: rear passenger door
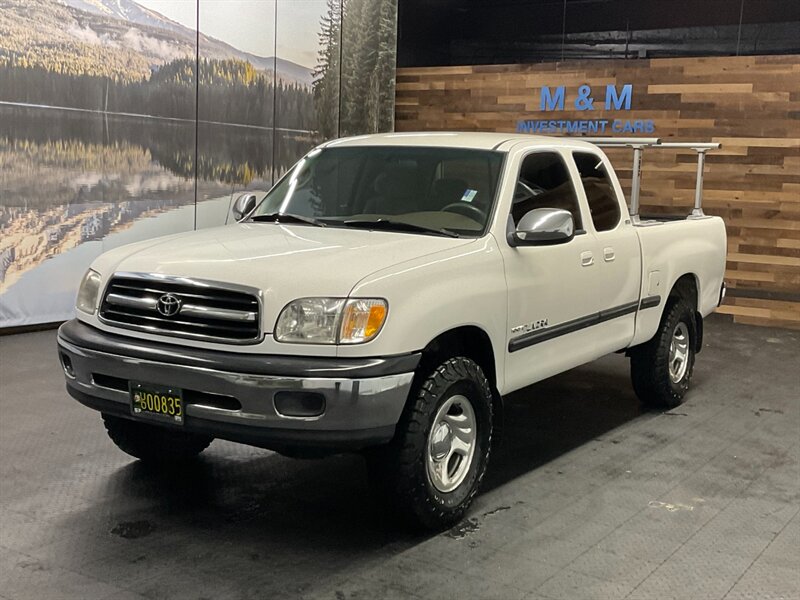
(618, 254)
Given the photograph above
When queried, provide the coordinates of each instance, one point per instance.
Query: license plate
(155, 402)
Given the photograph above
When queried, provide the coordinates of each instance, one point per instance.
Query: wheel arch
(474, 343)
(687, 287)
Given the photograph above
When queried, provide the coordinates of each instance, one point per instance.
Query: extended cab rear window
(600, 195)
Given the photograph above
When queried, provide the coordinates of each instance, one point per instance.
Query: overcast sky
(249, 24)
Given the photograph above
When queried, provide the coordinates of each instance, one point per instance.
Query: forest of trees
(231, 91)
(363, 101)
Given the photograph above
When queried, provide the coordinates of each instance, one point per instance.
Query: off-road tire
(399, 472)
(153, 444)
(650, 361)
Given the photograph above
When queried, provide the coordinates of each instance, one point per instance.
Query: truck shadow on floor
(303, 520)
(552, 417)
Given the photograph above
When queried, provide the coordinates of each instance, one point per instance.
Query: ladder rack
(638, 145)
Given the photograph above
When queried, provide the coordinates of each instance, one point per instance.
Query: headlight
(88, 292)
(331, 320)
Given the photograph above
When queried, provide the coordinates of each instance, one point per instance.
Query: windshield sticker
(469, 195)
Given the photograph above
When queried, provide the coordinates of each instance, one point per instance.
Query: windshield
(408, 188)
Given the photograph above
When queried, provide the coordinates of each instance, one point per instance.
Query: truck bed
(674, 246)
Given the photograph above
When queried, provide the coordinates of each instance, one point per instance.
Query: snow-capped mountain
(144, 34)
(128, 10)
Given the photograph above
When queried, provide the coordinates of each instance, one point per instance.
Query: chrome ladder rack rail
(638, 145)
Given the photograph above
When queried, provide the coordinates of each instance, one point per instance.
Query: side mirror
(543, 226)
(243, 206)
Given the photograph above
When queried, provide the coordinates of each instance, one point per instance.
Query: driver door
(549, 286)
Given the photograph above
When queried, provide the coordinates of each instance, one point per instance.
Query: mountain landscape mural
(119, 123)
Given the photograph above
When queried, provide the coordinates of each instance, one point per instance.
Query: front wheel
(433, 468)
(153, 444)
(661, 369)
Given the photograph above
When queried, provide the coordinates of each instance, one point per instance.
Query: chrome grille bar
(183, 307)
(192, 310)
(132, 301)
(225, 314)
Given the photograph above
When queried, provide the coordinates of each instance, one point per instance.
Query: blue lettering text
(550, 102)
(618, 101)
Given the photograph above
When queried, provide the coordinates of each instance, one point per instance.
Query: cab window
(436, 188)
(544, 182)
(600, 194)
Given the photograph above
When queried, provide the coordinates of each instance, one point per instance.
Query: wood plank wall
(749, 104)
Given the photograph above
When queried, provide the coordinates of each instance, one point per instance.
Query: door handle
(608, 254)
(587, 259)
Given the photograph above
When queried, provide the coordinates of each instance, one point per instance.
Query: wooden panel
(750, 104)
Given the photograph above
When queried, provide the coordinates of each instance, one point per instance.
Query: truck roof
(455, 139)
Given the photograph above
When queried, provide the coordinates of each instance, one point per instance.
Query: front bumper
(232, 396)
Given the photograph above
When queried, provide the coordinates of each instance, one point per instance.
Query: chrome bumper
(361, 408)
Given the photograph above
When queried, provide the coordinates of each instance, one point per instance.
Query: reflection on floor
(589, 497)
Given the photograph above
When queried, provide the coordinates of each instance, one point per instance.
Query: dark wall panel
(520, 31)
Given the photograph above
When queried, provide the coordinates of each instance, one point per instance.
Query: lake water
(48, 291)
(73, 185)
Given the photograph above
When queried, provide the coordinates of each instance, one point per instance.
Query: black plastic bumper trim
(263, 437)
(537, 337)
(84, 336)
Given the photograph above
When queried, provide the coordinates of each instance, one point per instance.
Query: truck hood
(284, 261)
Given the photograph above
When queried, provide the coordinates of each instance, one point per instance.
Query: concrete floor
(589, 497)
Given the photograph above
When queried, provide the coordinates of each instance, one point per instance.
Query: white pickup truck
(383, 297)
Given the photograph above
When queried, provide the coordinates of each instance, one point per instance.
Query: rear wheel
(154, 444)
(661, 369)
(433, 468)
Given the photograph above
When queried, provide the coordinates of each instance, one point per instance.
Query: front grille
(182, 307)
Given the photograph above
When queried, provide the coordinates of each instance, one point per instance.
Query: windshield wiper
(288, 218)
(392, 225)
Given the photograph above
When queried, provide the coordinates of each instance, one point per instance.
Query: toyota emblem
(168, 305)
